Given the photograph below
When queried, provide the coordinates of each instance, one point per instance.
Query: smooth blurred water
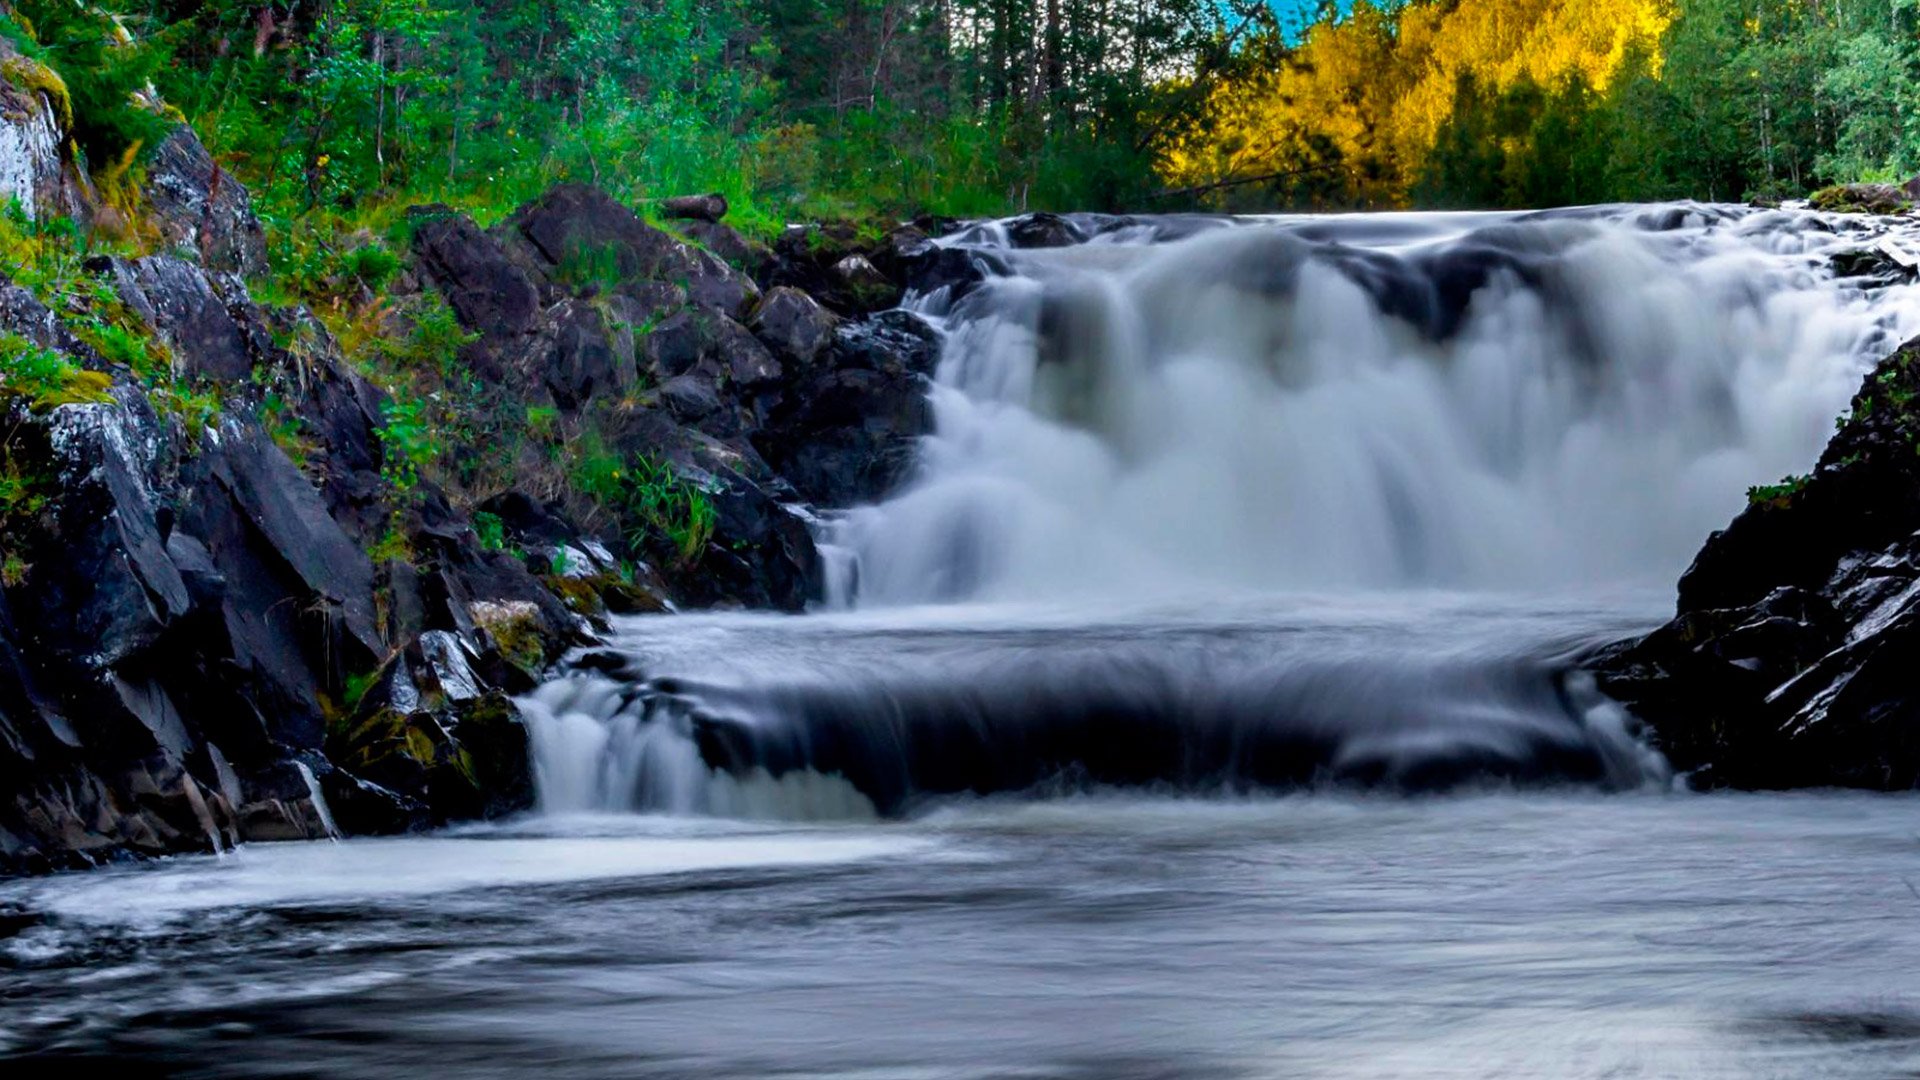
(1548, 935)
(1216, 511)
(1192, 409)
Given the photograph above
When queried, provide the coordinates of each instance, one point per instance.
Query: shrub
(408, 443)
(106, 71)
(650, 500)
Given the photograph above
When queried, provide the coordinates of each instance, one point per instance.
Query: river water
(1489, 935)
(1207, 704)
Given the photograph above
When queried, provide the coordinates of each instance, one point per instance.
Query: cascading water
(1237, 505)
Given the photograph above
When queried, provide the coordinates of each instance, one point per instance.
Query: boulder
(178, 301)
(1043, 230)
(35, 117)
(1786, 665)
(748, 256)
(793, 325)
(489, 293)
(1863, 199)
(832, 263)
(847, 432)
(580, 232)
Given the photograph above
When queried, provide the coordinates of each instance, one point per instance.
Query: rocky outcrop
(1867, 198)
(1790, 662)
(239, 606)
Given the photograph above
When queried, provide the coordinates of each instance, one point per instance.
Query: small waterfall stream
(1241, 505)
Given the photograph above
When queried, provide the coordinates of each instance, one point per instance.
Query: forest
(338, 111)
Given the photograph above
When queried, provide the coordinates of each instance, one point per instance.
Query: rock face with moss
(272, 569)
(1791, 661)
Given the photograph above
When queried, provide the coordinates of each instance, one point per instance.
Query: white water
(1235, 411)
(1283, 502)
(1222, 529)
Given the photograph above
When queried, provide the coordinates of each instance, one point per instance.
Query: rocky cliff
(246, 584)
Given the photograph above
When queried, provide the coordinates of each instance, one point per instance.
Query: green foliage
(589, 264)
(490, 530)
(408, 443)
(649, 499)
(1778, 495)
(44, 377)
(285, 427)
(432, 340)
(24, 491)
(106, 70)
(393, 545)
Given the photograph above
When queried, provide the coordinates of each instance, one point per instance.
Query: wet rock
(1781, 668)
(956, 270)
(1882, 263)
(1042, 230)
(465, 761)
(847, 432)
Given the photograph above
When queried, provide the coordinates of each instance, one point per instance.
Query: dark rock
(576, 228)
(958, 270)
(847, 432)
(748, 364)
(1879, 265)
(200, 205)
(748, 256)
(466, 761)
(831, 263)
(676, 344)
(707, 208)
(108, 591)
(488, 292)
(711, 283)
(862, 285)
(690, 398)
(1042, 230)
(793, 325)
(1783, 665)
(178, 301)
(580, 356)
(888, 342)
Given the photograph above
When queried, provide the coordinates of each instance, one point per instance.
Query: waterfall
(1231, 506)
(1374, 401)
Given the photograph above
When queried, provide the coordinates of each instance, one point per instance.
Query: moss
(1859, 199)
(579, 594)
(515, 628)
(37, 78)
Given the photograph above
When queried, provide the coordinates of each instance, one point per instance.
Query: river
(1207, 704)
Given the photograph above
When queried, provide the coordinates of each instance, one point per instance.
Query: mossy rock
(517, 631)
(602, 595)
(1862, 199)
(468, 760)
(39, 80)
